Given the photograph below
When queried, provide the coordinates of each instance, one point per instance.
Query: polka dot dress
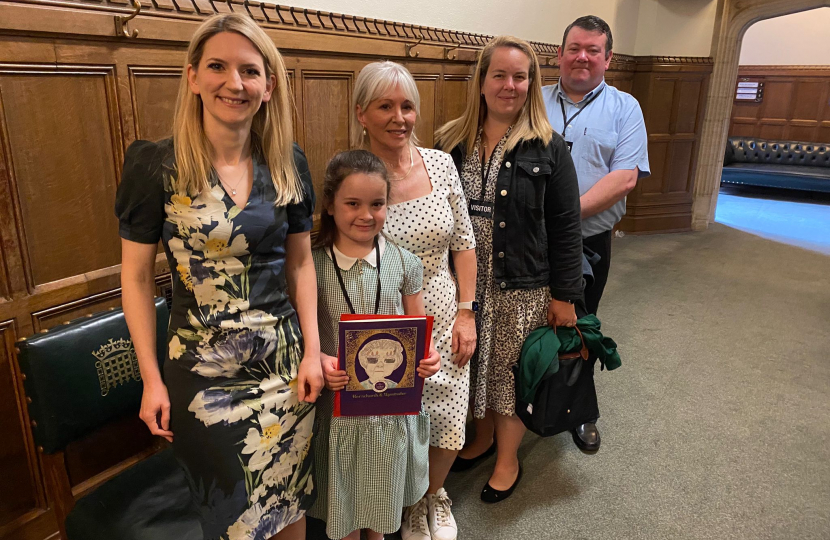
(430, 227)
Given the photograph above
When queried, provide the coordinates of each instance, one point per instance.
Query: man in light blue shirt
(605, 130)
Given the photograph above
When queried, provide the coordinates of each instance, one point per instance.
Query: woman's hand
(155, 409)
(561, 313)
(463, 337)
(310, 379)
(336, 379)
(430, 365)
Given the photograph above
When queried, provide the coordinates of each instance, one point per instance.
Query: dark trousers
(601, 245)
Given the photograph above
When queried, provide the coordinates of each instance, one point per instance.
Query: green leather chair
(79, 377)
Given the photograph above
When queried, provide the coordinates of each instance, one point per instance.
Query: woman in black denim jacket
(523, 198)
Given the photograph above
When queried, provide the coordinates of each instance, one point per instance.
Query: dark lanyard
(343, 286)
(485, 174)
(579, 110)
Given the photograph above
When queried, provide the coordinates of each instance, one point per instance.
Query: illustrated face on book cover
(380, 358)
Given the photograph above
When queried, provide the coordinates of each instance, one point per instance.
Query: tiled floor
(798, 218)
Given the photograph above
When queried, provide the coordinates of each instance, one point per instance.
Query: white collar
(345, 262)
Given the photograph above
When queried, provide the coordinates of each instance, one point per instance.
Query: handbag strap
(583, 352)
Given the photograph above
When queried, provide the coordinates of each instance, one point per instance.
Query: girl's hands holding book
(430, 365)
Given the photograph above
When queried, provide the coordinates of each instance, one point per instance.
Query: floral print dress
(234, 343)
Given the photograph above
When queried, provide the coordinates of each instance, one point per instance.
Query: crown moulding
(276, 16)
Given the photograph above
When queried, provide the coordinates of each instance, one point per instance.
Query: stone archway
(735, 17)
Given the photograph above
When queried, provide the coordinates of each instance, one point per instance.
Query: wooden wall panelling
(65, 145)
(672, 95)
(17, 457)
(327, 117)
(153, 90)
(455, 85)
(12, 275)
(794, 107)
(428, 79)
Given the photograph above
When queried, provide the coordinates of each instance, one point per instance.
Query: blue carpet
(791, 217)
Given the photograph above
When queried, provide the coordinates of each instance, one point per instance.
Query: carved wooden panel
(64, 151)
(53, 316)
(15, 447)
(678, 175)
(154, 91)
(672, 96)
(428, 90)
(687, 106)
(326, 113)
(455, 97)
(659, 113)
(658, 159)
(796, 104)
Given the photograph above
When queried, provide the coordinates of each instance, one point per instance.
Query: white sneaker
(441, 522)
(415, 526)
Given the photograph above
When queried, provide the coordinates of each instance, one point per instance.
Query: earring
(364, 131)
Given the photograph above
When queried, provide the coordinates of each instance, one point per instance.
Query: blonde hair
(532, 122)
(272, 130)
(374, 81)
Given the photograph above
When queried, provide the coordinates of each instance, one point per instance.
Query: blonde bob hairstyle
(532, 122)
(272, 130)
(375, 80)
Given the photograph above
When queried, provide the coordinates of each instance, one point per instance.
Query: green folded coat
(541, 350)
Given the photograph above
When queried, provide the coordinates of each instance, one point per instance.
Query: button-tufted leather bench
(781, 164)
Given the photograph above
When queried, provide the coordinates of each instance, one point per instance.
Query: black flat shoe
(492, 495)
(462, 464)
(586, 437)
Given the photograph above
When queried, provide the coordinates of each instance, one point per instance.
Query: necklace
(411, 163)
(233, 189)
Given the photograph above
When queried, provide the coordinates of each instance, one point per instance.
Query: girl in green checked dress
(367, 468)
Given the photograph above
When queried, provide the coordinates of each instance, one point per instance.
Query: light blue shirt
(608, 135)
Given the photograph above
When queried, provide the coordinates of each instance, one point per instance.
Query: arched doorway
(733, 20)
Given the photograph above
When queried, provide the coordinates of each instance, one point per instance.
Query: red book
(381, 354)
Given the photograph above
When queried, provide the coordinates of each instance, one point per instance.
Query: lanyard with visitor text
(571, 119)
(479, 207)
(485, 175)
(343, 286)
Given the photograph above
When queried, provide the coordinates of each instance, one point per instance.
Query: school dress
(367, 468)
(430, 227)
(234, 342)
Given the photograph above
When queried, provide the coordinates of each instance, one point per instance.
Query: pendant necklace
(233, 189)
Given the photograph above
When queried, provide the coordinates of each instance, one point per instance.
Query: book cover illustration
(380, 354)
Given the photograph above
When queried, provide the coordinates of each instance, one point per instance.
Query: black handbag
(563, 400)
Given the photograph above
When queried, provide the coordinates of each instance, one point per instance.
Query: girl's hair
(374, 81)
(532, 122)
(339, 168)
(272, 130)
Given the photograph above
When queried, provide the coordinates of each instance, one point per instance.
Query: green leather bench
(79, 377)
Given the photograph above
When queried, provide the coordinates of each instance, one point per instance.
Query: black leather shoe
(462, 464)
(492, 495)
(586, 437)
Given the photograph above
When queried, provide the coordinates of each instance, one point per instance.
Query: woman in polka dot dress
(428, 216)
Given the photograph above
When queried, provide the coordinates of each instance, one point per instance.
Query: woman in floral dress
(231, 200)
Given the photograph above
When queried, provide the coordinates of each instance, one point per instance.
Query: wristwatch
(472, 306)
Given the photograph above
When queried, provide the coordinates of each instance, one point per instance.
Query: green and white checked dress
(367, 468)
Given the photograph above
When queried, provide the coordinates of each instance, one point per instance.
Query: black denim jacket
(537, 233)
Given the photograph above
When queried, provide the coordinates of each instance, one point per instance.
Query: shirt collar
(589, 95)
(346, 263)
